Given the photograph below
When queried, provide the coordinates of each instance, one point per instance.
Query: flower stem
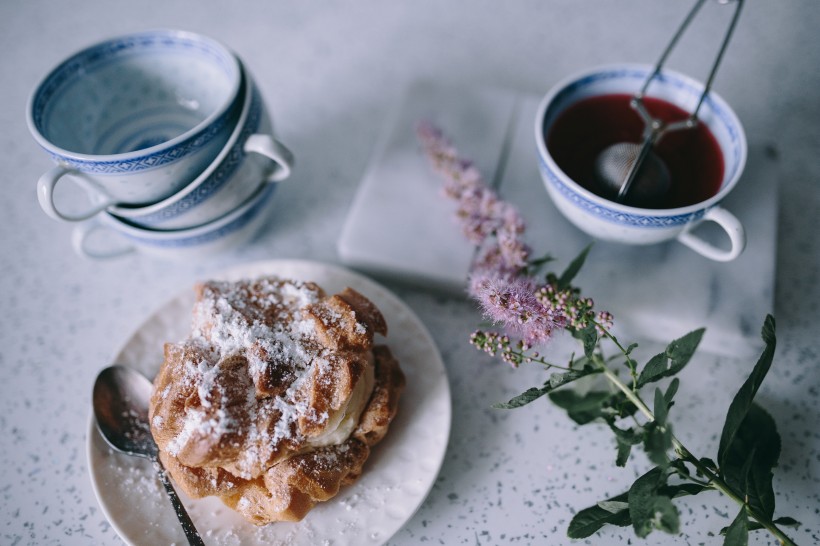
(631, 364)
(713, 478)
(526, 359)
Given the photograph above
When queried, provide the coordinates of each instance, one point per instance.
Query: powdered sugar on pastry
(269, 387)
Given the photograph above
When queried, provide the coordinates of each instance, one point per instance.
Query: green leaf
(658, 442)
(755, 526)
(589, 520)
(629, 436)
(682, 490)
(673, 359)
(749, 460)
(530, 395)
(558, 379)
(535, 265)
(671, 391)
(751, 525)
(743, 399)
(660, 409)
(708, 463)
(654, 369)
(581, 408)
(626, 439)
(745, 471)
(555, 381)
(680, 466)
(624, 450)
(666, 517)
(565, 280)
(538, 262)
(658, 437)
(588, 337)
(737, 534)
(613, 507)
(622, 405)
(649, 510)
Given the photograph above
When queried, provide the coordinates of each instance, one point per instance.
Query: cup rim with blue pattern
(611, 221)
(135, 117)
(221, 234)
(82, 64)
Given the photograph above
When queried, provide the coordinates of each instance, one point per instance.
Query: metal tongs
(615, 157)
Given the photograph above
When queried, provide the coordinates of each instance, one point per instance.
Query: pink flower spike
(512, 302)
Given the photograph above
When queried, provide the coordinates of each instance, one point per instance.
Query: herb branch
(506, 284)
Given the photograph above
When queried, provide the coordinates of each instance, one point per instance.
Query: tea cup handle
(730, 224)
(269, 147)
(79, 240)
(45, 194)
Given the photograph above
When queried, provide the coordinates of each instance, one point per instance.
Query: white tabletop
(330, 72)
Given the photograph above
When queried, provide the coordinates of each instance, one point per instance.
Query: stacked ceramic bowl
(168, 136)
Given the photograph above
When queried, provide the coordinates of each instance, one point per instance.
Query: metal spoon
(121, 397)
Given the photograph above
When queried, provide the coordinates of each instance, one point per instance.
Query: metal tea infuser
(624, 165)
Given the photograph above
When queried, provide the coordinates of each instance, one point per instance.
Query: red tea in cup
(585, 129)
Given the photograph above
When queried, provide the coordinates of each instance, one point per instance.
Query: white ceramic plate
(397, 477)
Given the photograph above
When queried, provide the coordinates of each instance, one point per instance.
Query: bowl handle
(269, 147)
(730, 224)
(45, 194)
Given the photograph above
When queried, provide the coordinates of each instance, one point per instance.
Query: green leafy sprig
(749, 444)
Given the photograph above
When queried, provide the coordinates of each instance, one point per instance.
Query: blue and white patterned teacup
(251, 157)
(135, 118)
(610, 221)
(201, 242)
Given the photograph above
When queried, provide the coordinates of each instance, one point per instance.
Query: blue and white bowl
(251, 157)
(135, 118)
(611, 221)
(226, 233)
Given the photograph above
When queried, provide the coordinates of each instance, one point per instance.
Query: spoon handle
(184, 519)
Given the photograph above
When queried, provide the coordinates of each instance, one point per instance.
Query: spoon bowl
(121, 399)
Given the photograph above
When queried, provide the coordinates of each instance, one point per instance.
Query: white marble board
(400, 226)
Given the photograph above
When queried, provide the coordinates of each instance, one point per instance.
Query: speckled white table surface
(330, 73)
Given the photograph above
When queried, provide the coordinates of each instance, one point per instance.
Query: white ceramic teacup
(251, 157)
(135, 118)
(225, 233)
(611, 221)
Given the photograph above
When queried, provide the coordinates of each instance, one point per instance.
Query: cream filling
(343, 421)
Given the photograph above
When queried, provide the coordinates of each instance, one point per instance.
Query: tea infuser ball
(614, 164)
